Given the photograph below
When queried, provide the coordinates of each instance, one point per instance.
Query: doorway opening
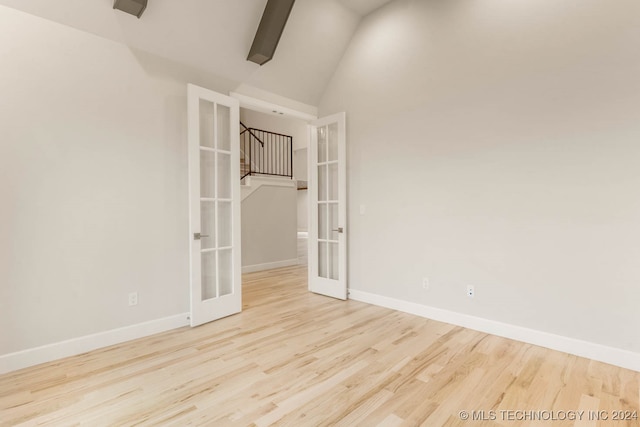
(261, 215)
(274, 223)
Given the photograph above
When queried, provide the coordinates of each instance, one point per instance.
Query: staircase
(269, 200)
(265, 153)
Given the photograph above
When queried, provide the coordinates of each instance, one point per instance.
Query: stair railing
(265, 153)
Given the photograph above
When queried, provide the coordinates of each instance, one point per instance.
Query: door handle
(339, 230)
(198, 236)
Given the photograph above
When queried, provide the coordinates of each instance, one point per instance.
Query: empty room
(320, 213)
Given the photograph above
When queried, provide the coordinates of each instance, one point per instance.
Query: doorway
(324, 141)
(274, 207)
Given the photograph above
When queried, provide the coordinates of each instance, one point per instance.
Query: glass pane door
(327, 239)
(214, 201)
(328, 201)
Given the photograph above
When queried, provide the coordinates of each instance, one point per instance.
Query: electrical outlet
(471, 291)
(425, 283)
(133, 298)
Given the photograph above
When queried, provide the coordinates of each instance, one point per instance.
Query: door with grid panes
(214, 205)
(328, 207)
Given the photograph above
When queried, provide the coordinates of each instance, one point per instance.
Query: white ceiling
(364, 7)
(215, 36)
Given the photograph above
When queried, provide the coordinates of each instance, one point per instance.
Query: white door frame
(262, 106)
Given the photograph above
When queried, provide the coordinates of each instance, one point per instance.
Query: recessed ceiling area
(364, 7)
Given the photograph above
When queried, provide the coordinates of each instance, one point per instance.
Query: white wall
(496, 144)
(295, 128)
(298, 130)
(303, 210)
(269, 227)
(93, 187)
(300, 162)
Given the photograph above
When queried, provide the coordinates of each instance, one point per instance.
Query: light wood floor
(299, 359)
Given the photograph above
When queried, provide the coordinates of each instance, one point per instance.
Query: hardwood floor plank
(301, 359)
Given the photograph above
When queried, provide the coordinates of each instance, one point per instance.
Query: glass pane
(333, 221)
(322, 182)
(333, 182)
(207, 174)
(224, 176)
(322, 144)
(322, 221)
(208, 224)
(224, 224)
(322, 259)
(334, 265)
(206, 124)
(225, 264)
(224, 132)
(208, 275)
(333, 141)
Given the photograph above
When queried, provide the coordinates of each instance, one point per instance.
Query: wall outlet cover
(471, 291)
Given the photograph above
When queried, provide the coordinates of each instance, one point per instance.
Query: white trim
(614, 356)
(254, 183)
(269, 265)
(47, 353)
(259, 180)
(268, 107)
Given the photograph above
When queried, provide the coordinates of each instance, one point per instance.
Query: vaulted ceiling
(364, 7)
(215, 35)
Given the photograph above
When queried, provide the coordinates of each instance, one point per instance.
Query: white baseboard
(614, 356)
(47, 353)
(269, 265)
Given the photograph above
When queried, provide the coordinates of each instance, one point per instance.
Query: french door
(328, 207)
(214, 205)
